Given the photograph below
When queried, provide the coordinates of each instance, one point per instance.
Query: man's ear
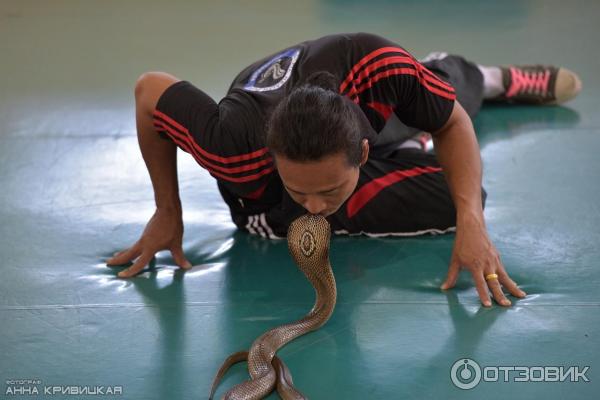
(365, 152)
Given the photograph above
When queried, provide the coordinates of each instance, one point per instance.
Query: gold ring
(491, 276)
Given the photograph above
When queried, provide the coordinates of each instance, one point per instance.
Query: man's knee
(150, 86)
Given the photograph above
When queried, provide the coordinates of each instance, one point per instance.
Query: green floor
(74, 190)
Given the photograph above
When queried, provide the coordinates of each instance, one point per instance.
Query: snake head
(308, 240)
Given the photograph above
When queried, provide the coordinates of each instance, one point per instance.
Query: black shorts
(401, 193)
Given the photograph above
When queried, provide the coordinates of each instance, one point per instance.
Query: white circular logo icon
(465, 373)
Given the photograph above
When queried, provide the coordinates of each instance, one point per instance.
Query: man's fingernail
(122, 274)
(506, 302)
(487, 303)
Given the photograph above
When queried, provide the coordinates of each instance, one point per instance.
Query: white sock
(492, 81)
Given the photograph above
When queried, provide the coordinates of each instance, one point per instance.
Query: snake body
(308, 242)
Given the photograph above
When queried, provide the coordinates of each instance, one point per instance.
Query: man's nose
(314, 205)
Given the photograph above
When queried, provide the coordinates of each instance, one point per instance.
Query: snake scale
(308, 241)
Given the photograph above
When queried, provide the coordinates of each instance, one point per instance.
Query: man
(298, 131)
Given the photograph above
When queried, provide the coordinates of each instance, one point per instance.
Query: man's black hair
(314, 121)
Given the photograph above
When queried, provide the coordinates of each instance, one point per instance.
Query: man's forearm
(161, 160)
(457, 151)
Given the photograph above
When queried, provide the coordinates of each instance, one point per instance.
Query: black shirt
(375, 73)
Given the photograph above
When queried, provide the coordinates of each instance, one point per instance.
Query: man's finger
(179, 257)
(482, 288)
(125, 256)
(496, 289)
(139, 265)
(506, 282)
(452, 276)
(510, 285)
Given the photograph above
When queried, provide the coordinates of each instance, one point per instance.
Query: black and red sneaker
(538, 84)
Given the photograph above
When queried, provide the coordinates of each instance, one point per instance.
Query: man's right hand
(164, 231)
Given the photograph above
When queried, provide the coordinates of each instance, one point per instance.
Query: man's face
(322, 186)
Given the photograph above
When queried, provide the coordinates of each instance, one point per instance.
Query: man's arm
(458, 153)
(164, 231)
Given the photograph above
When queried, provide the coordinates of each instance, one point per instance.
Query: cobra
(308, 241)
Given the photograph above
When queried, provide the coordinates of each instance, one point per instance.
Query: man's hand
(458, 152)
(474, 251)
(164, 231)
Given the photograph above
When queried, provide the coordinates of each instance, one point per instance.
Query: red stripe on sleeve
(440, 81)
(205, 163)
(185, 143)
(428, 75)
(403, 71)
(243, 179)
(365, 60)
(369, 190)
(214, 157)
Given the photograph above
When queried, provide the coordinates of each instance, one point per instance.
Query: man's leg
(517, 84)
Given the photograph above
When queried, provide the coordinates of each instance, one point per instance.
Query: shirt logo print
(274, 73)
